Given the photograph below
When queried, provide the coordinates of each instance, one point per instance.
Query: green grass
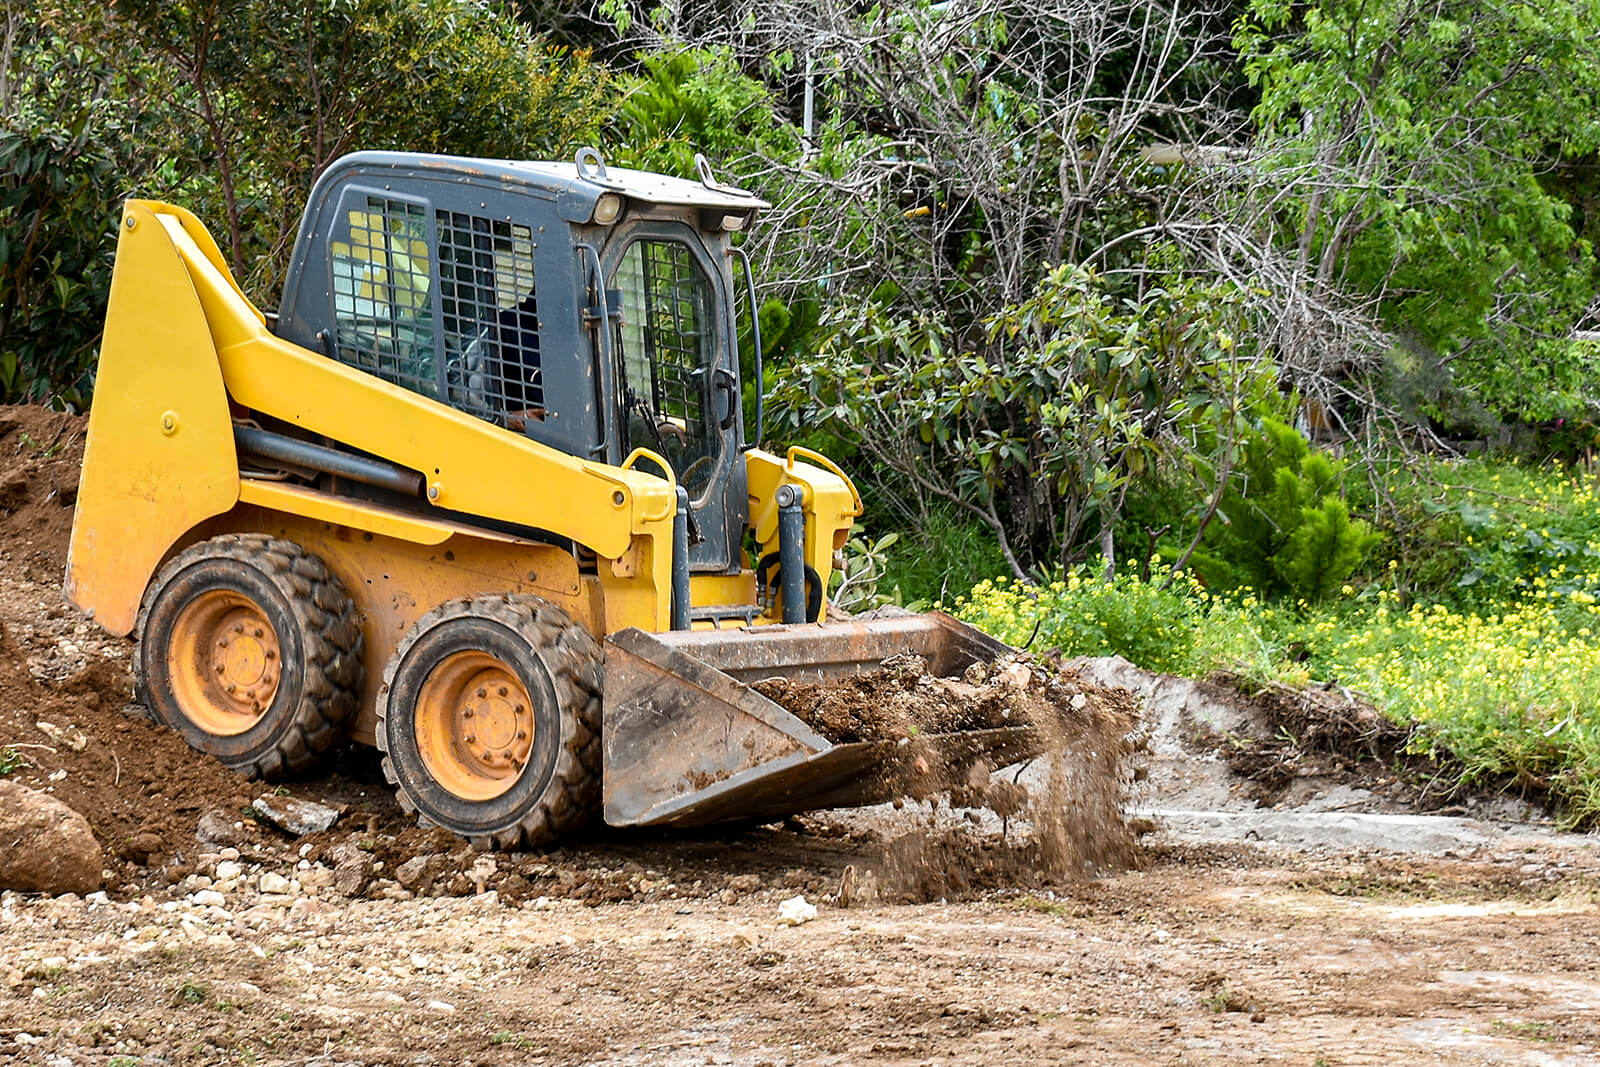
(11, 760)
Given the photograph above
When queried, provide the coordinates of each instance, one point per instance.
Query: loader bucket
(688, 741)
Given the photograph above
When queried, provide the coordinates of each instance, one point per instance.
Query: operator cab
(590, 309)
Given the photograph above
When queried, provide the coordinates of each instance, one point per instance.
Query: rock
(413, 873)
(352, 868)
(295, 816)
(228, 870)
(216, 827)
(63, 735)
(210, 898)
(141, 846)
(796, 910)
(272, 882)
(745, 883)
(318, 877)
(45, 846)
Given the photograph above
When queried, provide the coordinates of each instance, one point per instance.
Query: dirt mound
(41, 452)
(139, 785)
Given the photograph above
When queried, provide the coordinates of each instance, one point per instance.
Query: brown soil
(1323, 731)
(40, 454)
(139, 785)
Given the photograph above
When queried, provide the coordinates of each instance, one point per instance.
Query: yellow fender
(159, 456)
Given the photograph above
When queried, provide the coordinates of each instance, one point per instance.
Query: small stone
(217, 827)
(209, 898)
(413, 872)
(317, 877)
(141, 846)
(745, 883)
(229, 853)
(795, 911)
(295, 816)
(63, 735)
(352, 869)
(228, 870)
(273, 882)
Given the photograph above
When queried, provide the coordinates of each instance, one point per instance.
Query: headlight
(607, 208)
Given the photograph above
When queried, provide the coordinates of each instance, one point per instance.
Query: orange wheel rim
(223, 662)
(474, 725)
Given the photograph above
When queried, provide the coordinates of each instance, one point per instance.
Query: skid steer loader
(495, 423)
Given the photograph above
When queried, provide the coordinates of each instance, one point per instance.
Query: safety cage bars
(487, 307)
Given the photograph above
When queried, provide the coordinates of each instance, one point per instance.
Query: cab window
(666, 338)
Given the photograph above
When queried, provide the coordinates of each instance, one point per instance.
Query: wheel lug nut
(487, 756)
(260, 632)
(222, 642)
(518, 710)
(230, 687)
(506, 755)
(482, 693)
(221, 668)
(504, 691)
(272, 653)
(466, 713)
(471, 738)
(522, 735)
(238, 627)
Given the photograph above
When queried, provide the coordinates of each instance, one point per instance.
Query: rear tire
(251, 649)
(489, 721)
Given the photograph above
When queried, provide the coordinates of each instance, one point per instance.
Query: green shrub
(1176, 630)
(1287, 528)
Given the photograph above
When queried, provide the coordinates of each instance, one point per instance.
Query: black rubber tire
(560, 665)
(318, 630)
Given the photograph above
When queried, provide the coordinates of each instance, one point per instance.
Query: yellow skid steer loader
(480, 494)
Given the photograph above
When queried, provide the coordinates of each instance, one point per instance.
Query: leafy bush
(1287, 528)
(72, 143)
(1181, 629)
(1476, 534)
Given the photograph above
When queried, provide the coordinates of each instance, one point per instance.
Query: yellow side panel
(394, 581)
(159, 456)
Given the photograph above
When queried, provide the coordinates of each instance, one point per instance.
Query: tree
(1406, 138)
(282, 89)
(76, 134)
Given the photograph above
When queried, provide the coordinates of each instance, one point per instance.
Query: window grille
(668, 351)
(383, 319)
(489, 310)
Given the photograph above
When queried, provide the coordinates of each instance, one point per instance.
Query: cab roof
(556, 179)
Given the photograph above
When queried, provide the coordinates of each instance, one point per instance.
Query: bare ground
(1321, 920)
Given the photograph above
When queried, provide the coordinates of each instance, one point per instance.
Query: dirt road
(1327, 922)
(1212, 955)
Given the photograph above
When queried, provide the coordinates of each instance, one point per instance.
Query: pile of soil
(1325, 731)
(41, 453)
(141, 787)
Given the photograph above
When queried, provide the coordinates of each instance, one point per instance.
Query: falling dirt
(1085, 734)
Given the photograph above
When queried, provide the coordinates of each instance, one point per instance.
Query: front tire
(251, 649)
(489, 721)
